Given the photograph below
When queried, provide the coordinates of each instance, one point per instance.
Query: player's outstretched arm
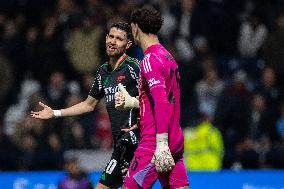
(123, 100)
(83, 107)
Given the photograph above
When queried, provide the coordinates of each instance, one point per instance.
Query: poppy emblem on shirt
(120, 78)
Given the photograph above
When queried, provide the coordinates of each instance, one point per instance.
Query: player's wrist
(57, 113)
(131, 102)
(162, 140)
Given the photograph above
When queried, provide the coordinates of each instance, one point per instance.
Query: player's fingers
(116, 95)
(34, 113)
(43, 105)
(153, 159)
(130, 129)
(125, 130)
(36, 116)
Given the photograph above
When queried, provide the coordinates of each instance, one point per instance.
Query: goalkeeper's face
(117, 42)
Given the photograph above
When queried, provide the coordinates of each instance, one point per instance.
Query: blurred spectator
(52, 55)
(261, 124)
(191, 73)
(77, 138)
(28, 159)
(232, 113)
(182, 34)
(101, 136)
(75, 177)
(280, 124)
(16, 112)
(6, 80)
(85, 46)
(203, 146)
(247, 156)
(51, 156)
(9, 152)
(31, 56)
(270, 91)
(274, 48)
(56, 91)
(252, 35)
(169, 23)
(208, 92)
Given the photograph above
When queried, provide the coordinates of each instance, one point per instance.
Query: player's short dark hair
(123, 26)
(148, 19)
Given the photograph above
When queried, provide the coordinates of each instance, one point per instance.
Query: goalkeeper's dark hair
(124, 27)
(148, 19)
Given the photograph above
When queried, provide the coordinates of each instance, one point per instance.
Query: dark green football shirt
(106, 85)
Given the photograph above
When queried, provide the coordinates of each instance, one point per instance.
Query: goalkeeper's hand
(163, 158)
(123, 100)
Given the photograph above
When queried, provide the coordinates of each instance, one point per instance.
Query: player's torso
(171, 82)
(171, 76)
(126, 75)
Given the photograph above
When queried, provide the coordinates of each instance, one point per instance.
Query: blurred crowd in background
(231, 59)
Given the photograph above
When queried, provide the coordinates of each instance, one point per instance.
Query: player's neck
(148, 40)
(116, 60)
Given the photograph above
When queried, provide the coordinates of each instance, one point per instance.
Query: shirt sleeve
(97, 90)
(152, 69)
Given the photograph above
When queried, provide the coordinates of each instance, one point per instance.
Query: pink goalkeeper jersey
(159, 99)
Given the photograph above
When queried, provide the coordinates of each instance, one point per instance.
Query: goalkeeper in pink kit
(160, 152)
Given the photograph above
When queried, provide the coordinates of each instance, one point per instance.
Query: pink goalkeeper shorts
(142, 172)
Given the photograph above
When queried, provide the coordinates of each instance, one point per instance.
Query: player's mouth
(112, 48)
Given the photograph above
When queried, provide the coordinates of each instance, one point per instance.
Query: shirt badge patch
(120, 78)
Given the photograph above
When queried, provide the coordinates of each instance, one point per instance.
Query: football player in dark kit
(123, 70)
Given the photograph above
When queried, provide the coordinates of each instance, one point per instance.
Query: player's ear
(106, 36)
(128, 45)
(134, 29)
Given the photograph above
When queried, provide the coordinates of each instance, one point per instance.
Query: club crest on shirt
(120, 78)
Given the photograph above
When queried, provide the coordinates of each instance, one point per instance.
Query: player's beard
(115, 55)
(112, 53)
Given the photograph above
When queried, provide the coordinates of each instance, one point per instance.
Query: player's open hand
(45, 113)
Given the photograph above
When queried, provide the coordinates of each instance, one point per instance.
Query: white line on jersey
(146, 63)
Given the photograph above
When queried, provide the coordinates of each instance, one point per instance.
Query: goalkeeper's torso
(105, 85)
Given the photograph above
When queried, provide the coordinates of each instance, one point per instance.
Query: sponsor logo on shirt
(153, 81)
(109, 93)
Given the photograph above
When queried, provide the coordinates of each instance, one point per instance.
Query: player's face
(134, 28)
(116, 42)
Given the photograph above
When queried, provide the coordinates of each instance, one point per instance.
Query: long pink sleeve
(152, 69)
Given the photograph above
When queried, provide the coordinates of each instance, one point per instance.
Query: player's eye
(120, 39)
